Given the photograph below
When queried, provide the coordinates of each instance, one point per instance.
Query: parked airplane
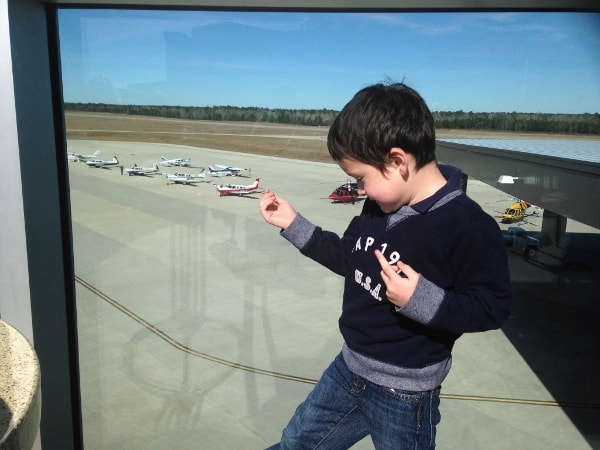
(100, 163)
(185, 178)
(175, 162)
(137, 170)
(80, 157)
(225, 170)
(237, 189)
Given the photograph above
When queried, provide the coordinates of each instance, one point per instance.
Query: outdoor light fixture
(507, 179)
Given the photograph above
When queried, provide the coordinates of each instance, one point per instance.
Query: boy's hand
(276, 210)
(400, 280)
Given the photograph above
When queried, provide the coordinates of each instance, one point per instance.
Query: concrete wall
(14, 276)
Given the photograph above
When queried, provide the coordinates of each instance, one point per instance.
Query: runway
(200, 327)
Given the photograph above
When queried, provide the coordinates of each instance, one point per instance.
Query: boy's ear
(398, 158)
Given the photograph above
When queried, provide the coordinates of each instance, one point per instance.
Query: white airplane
(80, 157)
(185, 178)
(100, 163)
(137, 170)
(237, 189)
(225, 170)
(175, 162)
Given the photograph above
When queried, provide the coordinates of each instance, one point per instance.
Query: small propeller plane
(345, 193)
(227, 171)
(237, 189)
(185, 178)
(138, 170)
(101, 163)
(80, 157)
(175, 162)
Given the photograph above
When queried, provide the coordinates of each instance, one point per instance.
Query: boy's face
(387, 189)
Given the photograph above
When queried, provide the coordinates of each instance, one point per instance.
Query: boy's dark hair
(379, 118)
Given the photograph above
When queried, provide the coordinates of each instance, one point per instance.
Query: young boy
(422, 264)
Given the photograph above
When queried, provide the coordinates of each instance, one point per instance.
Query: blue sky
(481, 62)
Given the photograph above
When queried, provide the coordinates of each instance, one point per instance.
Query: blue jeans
(343, 408)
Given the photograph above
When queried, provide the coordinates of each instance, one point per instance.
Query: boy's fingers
(385, 266)
(406, 269)
(380, 258)
(390, 270)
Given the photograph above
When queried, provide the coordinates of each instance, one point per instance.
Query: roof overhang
(564, 186)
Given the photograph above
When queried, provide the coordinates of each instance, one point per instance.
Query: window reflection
(196, 322)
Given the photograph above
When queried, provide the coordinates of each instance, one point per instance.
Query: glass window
(198, 324)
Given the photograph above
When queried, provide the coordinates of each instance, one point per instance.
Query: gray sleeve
(425, 302)
(299, 232)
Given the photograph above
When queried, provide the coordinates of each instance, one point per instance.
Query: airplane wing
(224, 167)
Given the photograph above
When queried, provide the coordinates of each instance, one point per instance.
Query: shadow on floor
(554, 326)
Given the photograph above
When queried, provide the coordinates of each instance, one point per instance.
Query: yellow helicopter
(515, 213)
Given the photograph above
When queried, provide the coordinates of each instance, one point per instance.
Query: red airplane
(237, 189)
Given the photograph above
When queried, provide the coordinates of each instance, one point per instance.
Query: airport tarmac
(200, 327)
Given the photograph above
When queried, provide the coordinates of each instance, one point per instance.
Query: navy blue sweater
(464, 283)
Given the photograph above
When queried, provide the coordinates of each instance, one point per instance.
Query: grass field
(287, 141)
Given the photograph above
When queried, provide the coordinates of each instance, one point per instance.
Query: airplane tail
(155, 166)
(96, 153)
(163, 158)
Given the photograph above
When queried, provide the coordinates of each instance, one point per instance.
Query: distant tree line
(520, 122)
(588, 124)
(310, 117)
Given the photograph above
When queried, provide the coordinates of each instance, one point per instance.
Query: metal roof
(560, 175)
(576, 149)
